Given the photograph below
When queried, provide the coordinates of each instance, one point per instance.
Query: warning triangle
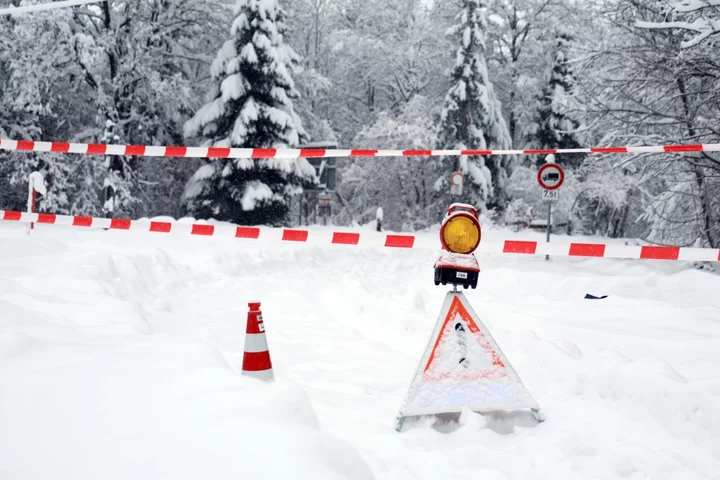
(463, 367)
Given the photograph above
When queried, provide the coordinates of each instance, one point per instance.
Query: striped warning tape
(371, 239)
(219, 152)
(13, 10)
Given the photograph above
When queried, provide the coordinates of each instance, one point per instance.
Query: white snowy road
(630, 383)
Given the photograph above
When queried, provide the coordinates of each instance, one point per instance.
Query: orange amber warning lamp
(460, 236)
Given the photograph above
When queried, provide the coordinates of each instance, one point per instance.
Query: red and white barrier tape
(217, 152)
(44, 6)
(372, 239)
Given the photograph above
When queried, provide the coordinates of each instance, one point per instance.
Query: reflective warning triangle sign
(464, 367)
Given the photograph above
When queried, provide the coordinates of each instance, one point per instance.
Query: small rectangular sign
(550, 195)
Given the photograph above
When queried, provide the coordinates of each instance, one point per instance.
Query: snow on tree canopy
(250, 105)
(555, 123)
(471, 116)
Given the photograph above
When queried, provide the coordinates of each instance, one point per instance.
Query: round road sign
(551, 176)
(457, 179)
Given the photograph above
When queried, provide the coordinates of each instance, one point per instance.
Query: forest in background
(373, 74)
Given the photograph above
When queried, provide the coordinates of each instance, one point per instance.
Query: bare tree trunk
(622, 224)
(705, 202)
(597, 218)
(706, 208)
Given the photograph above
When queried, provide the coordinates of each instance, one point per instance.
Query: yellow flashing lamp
(460, 231)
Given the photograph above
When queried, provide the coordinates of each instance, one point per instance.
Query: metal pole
(30, 202)
(34, 203)
(547, 234)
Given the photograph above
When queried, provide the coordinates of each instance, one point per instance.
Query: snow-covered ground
(120, 356)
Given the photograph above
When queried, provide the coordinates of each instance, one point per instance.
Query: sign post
(550, 177)
(324, 206)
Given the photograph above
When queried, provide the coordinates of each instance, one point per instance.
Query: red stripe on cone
(256, 362)
(254, 319)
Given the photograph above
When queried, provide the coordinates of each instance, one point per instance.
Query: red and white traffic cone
(256, 361)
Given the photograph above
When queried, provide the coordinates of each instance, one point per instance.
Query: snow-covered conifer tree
(250, 106)
(471, 117)
(555, 123)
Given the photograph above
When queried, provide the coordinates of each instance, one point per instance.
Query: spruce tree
(555, 125)
(250, 106)
(471, 117)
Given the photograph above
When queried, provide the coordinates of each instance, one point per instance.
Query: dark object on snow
(593, 297)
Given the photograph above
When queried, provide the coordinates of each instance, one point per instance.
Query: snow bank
(90, 390)
(106, 369)
(89, 407)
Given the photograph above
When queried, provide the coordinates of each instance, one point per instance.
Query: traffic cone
(256, 360)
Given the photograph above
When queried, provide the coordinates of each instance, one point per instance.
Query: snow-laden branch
(704, 25)
(685, 6)
(704, 28)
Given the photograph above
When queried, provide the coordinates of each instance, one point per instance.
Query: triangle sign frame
(463, 366)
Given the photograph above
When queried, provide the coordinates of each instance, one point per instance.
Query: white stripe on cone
(256, 343)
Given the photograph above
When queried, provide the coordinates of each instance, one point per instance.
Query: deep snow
(120, 355)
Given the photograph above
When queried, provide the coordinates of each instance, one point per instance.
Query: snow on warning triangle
(464, 367)
(461, 351)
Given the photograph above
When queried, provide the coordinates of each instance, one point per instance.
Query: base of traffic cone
(266, 375)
